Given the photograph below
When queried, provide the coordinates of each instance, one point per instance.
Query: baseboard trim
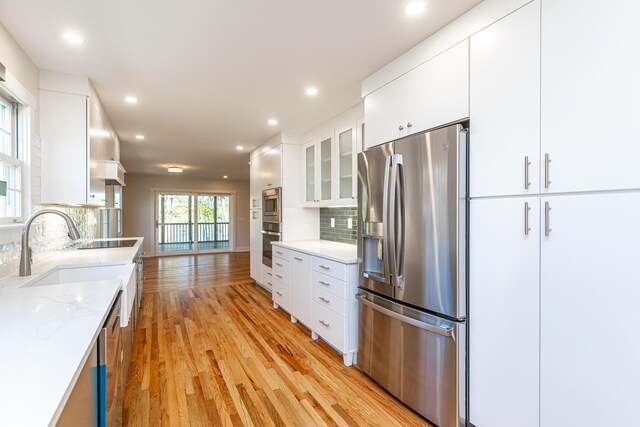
(242, 249)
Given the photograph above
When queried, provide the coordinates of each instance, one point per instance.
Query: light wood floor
(210, 350)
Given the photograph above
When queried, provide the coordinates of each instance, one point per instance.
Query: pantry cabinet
(505, 106)
(504, 311)
(589, 293)
(431, 95)
(255, 182)
(589, 93)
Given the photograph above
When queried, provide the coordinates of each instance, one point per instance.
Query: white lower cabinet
(504, 312)
(267, 277)
(590, 347)
(553, 340)
(320, 293)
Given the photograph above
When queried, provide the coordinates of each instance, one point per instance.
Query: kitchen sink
(61, 275)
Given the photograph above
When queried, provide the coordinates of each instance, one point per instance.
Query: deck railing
(183, 232)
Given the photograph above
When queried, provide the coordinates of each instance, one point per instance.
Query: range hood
(113, 173)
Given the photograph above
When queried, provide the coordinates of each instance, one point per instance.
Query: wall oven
(271, 205)
(270, 233)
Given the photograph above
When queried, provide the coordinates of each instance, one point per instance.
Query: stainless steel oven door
(267, 251)
(271, 202)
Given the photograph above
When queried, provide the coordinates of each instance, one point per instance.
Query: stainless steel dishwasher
(111, 380)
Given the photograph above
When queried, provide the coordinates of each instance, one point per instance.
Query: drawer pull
(269, 283)
(324, 283)
(324, 323)
(278, 276)
(297, 258)
(324, 267)
(279, 252)
(325, 300)
(278, 264)
(269, 274)
(279, 293)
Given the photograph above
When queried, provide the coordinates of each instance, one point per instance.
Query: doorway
(188, 223)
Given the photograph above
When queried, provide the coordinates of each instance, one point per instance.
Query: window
(10, 162)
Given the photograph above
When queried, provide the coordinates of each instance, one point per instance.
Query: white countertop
(47, 332)
(340, 252)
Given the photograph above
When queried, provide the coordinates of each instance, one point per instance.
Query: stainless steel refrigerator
(412, 205)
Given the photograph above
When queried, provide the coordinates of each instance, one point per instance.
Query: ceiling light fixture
(73, 38)
(131, 99)
(239, 147)
(174, 169)
(140, 137)
(312, 91)
(225, 176)
(272, 122)
(415, 7)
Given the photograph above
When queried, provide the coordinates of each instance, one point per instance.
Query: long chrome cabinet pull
(527, 163)
(527, 229)
(547, 226)
(547, 160)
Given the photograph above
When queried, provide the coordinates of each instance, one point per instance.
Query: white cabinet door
(505, 106)
(385, 113)
(438, 90)
(271, 168)
(589, 311)
(504, 312)
(345, 165)
(311, 197)
(325, 167)
(300, 286)
(590, 93)
(255, 182)
(255, 243)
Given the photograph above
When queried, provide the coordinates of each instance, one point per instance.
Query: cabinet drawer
(329, 325)
(280, 252)
(331, 268)
(280, 270)
(329, 300)
(267, 276)
(280, 294)
(331, 284)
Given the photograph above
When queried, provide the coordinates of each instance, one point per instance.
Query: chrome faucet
(25, 254)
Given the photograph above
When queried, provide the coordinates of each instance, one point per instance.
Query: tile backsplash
(339, 233)
(48, 235)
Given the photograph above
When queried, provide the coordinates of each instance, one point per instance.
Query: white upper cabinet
(271, 167)
(438, 90)
(385, 112)
(346, 161)
(505, 106)
(431, 95)
(590, 93)
(255, 183)
(326, 167)
(504, 312)
(311, 197)
(589, 298)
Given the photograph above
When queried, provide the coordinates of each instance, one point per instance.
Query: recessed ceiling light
(73, 38)
(415, 7)
(100, 133)
(141, 137)
(239, 147)
(174, 169)
(131, 99)
(272, 122)
(225, 177)
(312, 91)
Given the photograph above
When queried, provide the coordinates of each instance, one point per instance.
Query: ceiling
(210, 73)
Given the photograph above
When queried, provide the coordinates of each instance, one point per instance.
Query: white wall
(138, 204)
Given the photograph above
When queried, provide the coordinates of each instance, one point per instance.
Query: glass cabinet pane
(325, 169)
(345, 143)
(310, 166)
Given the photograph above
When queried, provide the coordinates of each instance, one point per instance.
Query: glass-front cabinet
(330, 167)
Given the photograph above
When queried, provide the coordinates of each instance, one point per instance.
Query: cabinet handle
(409, 125)
(279, 293)
(324, 323)
(527, 163)
(324, 267)
(324, 283)
(297, 258)
(269, 274)
(325, 300)
(527, 229)
(401, 128)
(278, 276)
(269, 283)
(279, 252)
(278, 264)
(547, 160)
(547, 225)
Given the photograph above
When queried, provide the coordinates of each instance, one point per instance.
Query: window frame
(16, 158)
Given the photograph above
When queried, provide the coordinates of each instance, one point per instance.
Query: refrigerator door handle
(395, 254)
(385, 221)
(446, 332)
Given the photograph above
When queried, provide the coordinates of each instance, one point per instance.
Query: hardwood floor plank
(210, 350)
